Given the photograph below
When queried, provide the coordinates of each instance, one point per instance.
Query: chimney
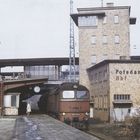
(110, 4)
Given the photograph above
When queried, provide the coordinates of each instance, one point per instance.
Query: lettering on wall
(123, 74)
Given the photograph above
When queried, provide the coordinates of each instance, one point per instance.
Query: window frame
(93, 59)
(117, 39)
(104, 39)
(116, 19)
(68, 97)
(93, 39)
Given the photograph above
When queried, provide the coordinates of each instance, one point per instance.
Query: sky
(40, 28)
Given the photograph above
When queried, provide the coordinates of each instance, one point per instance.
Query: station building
(105, 67)
(115, 87)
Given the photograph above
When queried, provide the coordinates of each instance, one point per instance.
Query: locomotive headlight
(63, 113)
(86, 113)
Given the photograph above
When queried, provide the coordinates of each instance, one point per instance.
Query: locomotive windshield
(82, 94)
(68, 94)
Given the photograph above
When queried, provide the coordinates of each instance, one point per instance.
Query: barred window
(121, 96)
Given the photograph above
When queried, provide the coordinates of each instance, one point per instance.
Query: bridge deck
(43, 127)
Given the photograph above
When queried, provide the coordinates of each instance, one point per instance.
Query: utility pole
(72, 48)
(102, 3)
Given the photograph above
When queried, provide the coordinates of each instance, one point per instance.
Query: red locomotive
(69, 103)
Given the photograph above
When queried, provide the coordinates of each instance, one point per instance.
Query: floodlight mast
(72, 76)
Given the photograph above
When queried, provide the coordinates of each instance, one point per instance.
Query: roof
(103, 8)
(99, 11)
(136, 57)
(72, 86)
(36, 61)
(105, 62)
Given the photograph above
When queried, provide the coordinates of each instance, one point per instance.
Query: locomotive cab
(70, 104)
(74, 107)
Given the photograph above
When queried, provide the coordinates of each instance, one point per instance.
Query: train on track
(69, 102)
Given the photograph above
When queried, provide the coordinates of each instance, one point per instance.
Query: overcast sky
(40, 28)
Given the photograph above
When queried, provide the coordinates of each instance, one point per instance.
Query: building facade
(115, 88)
(103, 34)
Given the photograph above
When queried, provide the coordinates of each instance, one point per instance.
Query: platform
(43, 127)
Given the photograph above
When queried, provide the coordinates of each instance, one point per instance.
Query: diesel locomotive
(69, 102)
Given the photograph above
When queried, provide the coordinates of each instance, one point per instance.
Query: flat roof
(105, 62)
(103, 8)
(36, 61)
(136, 57)
(99, 11)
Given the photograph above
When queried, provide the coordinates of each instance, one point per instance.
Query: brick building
(104, 34)
(115, 87)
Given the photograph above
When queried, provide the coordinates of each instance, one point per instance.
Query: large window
(68, 94)
(87, 21)
(81, 94)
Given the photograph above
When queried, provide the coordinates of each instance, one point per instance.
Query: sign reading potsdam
(122, 74)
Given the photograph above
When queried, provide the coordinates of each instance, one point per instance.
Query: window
(104, 39)
(105, 102)
(81, 94)
(105, 20)
(117, 39)
(13, 100)
(93, 39)
(68, 94)
(121, 97)
(96, 77)
(116, 19)
(93, 59)
(87, 21)
(105, 74)
(100, 76)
